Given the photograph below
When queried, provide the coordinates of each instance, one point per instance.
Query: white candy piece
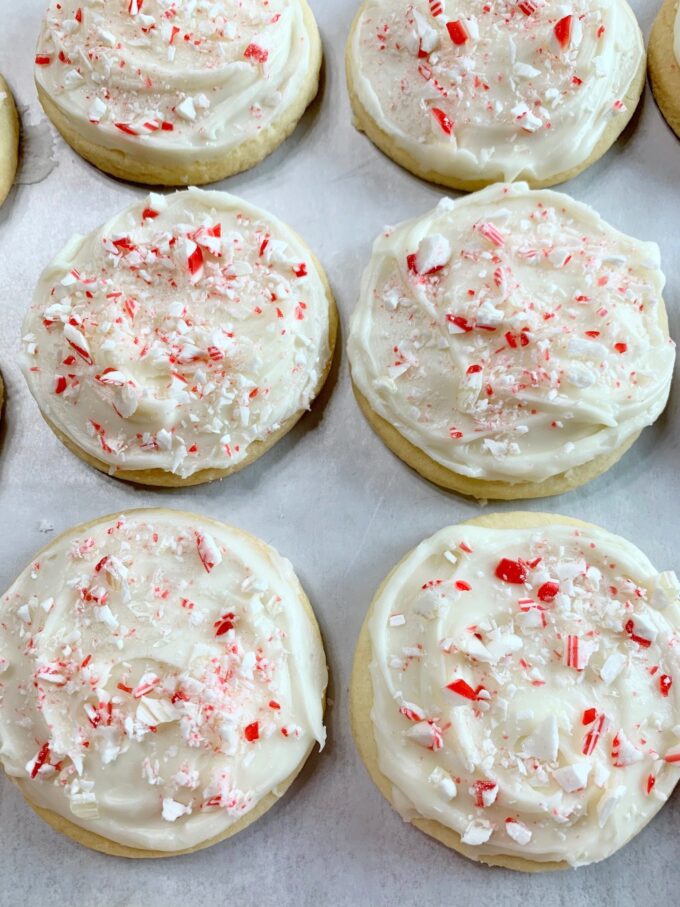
(623, 751)
(517, 831)
(444, 783)
(644, 626)
(612, 667)
(477, 832)
(429, 36)
(544, 742)
(434, 252)
(172, 810)
(208, 551)
(186, 109)
(572, 777)
(423, 733)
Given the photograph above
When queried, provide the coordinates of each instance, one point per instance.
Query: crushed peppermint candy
(132, 671)
(154, 345)
(567, 709)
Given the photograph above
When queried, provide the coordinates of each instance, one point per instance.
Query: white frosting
(676, 37)
(160, 675)
(512, 99)
(176, 335)
(489, 693)
(171, 82)
(512, 335)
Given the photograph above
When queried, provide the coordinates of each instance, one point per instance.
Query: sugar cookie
(465, 95)
(173, 93)
(664, 62)
(511, 344)
(181, 340)
(9, 139)
(515, 690)
(163, 682)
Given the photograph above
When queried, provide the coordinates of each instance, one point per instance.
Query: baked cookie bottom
(664, 69)
(361, 705)
(9, 141)
(129, 166)
(165, 479)
(478, 488)
(115, 849)
(390, 146)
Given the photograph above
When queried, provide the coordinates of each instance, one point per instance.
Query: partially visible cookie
(177, 95)
(511, 344)
(464, 94)
(9, 139)
(664, 62)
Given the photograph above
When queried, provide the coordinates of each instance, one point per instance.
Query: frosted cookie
(174, 93)
(9, 139)
(163, 682)
(664, 62)
(511, 344)
(466, 95)
(181, 340)
(515, 691)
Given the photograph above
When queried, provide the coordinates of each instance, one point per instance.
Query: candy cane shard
(433, 254)
(624, 752)
(518, 831)
(543, 742)
(444, 782)
(592, 738)
(572, 777)
(77, 341)
(208, 551)
(426, 734)
(477, 832)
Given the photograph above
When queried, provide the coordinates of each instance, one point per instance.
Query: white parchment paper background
(332, 499)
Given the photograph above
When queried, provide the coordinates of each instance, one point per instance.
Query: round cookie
(9, 140)
(159, 673)
(664, 62)
(510, 344)
(187, 98)
(464, 96)
(577, 713)
(178, 342)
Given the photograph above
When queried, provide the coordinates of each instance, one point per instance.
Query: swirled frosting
(512, 335)
(159, 675)
(173, 82)
(183, 330)
(499, 91)
(526, 689)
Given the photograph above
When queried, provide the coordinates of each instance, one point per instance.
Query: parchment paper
(332, 499)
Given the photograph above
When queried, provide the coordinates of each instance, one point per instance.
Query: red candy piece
(444, 122)
(513, 572)
(563, 31)
(252, 732)
(548, 591)
(457, 32)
